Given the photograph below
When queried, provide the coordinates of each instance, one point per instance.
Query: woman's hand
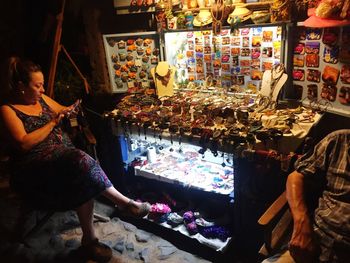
(72, 109)
(58, 119)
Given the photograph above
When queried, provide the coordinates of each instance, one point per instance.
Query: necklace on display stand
(163, 79)
(276, 74)
(217, 15)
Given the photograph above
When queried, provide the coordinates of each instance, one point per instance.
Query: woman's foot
(136, 209)
(96, 251)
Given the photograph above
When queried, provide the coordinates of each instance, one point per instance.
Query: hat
(240, 12)
(203, 18)
(328, 14)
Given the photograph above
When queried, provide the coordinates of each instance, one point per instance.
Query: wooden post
(55, 51)
(86, 84)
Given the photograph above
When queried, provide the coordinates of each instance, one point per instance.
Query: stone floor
(131, 240)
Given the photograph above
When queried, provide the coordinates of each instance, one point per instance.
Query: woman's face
(35, 87)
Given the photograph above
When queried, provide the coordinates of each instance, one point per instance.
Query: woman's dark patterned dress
(54, 174)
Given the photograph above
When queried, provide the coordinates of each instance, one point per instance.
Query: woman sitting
(45, 167)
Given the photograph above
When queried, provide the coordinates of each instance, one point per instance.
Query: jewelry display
(217, 13)
(276, 74)
(163, 79)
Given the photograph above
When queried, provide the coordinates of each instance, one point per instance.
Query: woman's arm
(19, 137)
(301, 245)
(54, 105)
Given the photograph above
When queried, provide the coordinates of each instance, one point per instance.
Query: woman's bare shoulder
(7, 113)
(5, 108)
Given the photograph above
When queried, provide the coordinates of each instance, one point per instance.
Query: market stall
(211, 86)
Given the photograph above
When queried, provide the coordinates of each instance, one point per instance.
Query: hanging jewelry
(217, 17)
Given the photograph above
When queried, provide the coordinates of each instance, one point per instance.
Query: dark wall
(27, 28)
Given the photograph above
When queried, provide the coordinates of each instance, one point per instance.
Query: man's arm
(301, 245)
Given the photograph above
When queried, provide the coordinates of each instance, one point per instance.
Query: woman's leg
(91, 247)
(85, 214)
(126, 204)
(116, 197)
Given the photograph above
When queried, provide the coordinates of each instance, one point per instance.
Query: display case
(236, 58)
(190, 169)
(321, 68)
(130, 58)
(191, 141)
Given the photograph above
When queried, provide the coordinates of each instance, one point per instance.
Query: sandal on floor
(96, 251)
(133, 209)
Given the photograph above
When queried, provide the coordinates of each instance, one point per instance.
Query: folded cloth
(203, 223)
(160, 208)
(191, 228)
(159, 212)
(189, 217)
(174, 219)
(219, 232)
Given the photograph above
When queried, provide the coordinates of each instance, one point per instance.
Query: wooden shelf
(123, 7)
(251, 5)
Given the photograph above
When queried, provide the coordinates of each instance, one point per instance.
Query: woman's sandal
(96, 251)
(132, 209)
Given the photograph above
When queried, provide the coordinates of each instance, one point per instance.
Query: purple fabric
(191, 228)
(189, 217)
(215, 232)
(160, 208)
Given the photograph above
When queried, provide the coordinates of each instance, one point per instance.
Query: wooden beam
(86, 84)
(55, 51)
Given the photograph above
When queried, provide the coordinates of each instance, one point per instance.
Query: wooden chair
(277, 226)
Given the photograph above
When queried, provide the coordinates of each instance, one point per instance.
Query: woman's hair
(18, 71)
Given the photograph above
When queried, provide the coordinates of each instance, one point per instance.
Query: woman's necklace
(163, 79)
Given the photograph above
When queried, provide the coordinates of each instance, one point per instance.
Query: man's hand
(301, 245)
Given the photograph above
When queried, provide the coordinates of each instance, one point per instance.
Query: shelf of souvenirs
(252, 5)
(239, 93)
(227, 27)
(125, 7)
(214, 122)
